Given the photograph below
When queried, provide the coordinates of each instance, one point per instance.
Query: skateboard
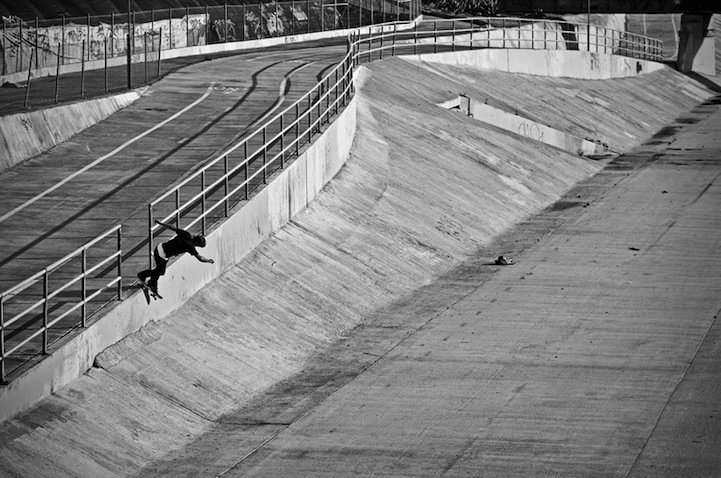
(149, 292)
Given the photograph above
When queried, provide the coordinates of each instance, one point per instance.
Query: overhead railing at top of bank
(209, 194)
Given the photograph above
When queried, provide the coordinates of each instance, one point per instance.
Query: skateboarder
(180, 244)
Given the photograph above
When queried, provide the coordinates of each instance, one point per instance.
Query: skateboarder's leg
(160, 266)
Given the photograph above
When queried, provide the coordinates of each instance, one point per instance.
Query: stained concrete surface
(397, 348)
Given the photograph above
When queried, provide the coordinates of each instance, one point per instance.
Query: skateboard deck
(148, 292)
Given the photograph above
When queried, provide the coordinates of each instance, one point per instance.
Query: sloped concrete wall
(555, 63)
(25, 135)
(289, 193)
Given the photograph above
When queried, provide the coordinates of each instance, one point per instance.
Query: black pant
(154, 274)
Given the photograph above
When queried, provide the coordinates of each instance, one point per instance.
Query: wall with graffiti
(23, 47)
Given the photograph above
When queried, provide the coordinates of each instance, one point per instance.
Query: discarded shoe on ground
(504, 261)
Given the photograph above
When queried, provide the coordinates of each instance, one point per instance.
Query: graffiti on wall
(23, 47)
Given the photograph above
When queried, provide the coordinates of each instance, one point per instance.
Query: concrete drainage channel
(515, 123)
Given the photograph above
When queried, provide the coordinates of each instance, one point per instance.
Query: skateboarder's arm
(174, 229)
(204, 259)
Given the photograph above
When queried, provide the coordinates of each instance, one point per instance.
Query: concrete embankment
(25, 135)
(423, 189)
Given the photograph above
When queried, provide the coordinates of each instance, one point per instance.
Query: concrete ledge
(518, 124)
(555, 63)
(289, 192)
(25, 135)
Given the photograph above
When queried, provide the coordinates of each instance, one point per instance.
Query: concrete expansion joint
(673, 393)
(174, 401)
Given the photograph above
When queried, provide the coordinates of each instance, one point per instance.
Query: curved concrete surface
(405, 232)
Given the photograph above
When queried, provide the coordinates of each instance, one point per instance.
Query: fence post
(145, 55)
(82, 72)
(160, 49)
(307, 8)
(83, 286)
(187, 26)
(63, 41)
(130, 63)
(207, 23)
(88, 36)
(27, 87)
(105, 52)
(20, 43)
(225, 22)
(112, 34)
(170, 28)
(322, 17)
(57, 76)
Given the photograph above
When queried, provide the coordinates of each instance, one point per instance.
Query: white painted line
(103, 158)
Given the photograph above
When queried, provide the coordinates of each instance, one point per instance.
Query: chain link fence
(68, 58)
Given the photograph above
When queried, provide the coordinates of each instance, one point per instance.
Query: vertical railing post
(282, 143)
(187, 26)
(150, 235)
(226, 183)
(310, 119)
(83, 286)
(202, 201)
(170, 28)
(245, 168)
(265, 155)
(322, 17)
(393, 45)
(4, 47)
(120, 263)
(415, 37)
(435, 36)
(46, 310)
(37, 41)
(177, 208)
(20, 44)
(2, 339)
(297, 128)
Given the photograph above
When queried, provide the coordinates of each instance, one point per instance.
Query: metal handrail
(47, 296)
(379, 39)
(484, 32)
(331, 92)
